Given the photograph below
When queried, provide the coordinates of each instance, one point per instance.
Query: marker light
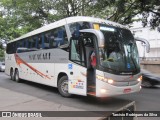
(96, 26)
(140, 78)
(109, 80)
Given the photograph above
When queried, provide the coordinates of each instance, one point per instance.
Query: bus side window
(46, 41)
(29, 43)
(17, 45)
(74, 28)
(77, 52)
(39, 46)
(32, 43)
(21, 43)
(52, 43)
(10, 48)
(65, 39)
(26, 43)
(86, 25)
(57, 37)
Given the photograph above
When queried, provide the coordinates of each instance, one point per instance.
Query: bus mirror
(145, 42)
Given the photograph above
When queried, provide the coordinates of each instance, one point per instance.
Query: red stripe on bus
(20, 61)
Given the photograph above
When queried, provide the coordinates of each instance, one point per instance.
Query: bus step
(91, 86)
(91, 93)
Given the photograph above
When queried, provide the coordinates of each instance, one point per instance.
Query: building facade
(153, 36)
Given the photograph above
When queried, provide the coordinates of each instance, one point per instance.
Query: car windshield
(120, 52)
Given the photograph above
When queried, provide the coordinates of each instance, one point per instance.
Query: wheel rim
(64, 86)
(17, 77)
(12, 75)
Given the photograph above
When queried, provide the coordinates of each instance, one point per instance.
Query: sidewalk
(14, 101)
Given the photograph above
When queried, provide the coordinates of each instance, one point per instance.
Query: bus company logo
(40, 56)
(79, 84)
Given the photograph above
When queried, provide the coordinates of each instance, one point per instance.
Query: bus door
(82, 79)
(77, 67)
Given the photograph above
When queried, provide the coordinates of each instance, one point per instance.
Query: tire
(11, 74)
(16, 76)
(146, 83)
(63, 86)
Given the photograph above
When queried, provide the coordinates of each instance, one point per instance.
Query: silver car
(2, 66)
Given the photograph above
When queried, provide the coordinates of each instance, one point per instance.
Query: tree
(68, 8)
(18, 17)
(21, 16)
(1, 53)
(150, 7)
(124, 11)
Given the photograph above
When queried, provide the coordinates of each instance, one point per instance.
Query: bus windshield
(119, 53)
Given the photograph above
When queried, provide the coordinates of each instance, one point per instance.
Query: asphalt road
(32, 96)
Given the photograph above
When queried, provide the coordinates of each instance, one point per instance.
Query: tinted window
(77, 52)
(55, 38)
(31, 43)
(39, 42)
(75, 27)
(51, 39)
(11, 48)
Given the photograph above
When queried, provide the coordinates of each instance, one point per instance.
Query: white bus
(59, 55)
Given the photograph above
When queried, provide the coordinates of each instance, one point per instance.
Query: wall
(153, 36)
(152, 66)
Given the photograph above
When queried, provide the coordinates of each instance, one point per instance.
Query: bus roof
(67, 21)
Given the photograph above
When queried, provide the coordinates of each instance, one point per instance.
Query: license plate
(127, 90)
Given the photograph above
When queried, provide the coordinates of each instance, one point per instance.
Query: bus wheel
(11, 74)
(16, 76)
(63, 86)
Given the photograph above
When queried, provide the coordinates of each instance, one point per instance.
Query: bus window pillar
(43, 41)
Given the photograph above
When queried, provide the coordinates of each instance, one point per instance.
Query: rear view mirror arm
(145, 42)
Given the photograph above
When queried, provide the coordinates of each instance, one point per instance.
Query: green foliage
(124, 11)
(1, 53)
(18, 17)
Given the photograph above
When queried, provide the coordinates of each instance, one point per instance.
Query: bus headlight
(140, 78)
(110, 81)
